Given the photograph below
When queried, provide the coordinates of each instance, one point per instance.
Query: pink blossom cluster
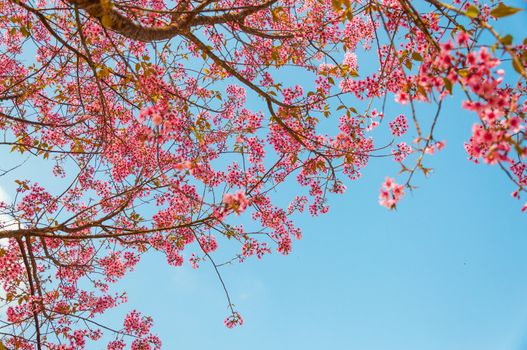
(390, 194)
(253, 247)
(236, 202)
(399, 125)
(208, 243)
(233, 320)
(139, 326)
(401, 151)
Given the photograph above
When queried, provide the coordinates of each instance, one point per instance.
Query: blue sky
(447, 270)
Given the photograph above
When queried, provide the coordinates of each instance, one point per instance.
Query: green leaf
(106, 21)
(421, 90)
(277, 12)
(337, 5)
(506, 40)
(472, 11)
(416, 56)
(448, 85)
(517, 65)
(463, 72)
(349, 14)
(24, 31)
(503, 10)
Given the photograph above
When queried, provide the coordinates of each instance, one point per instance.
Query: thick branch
(113, 20)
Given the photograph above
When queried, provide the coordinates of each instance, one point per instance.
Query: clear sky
(447, 270)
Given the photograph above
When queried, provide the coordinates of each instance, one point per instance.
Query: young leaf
(503, 10)
(506, 40)
(472, 11)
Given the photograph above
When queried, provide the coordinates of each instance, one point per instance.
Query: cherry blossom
(165, 125)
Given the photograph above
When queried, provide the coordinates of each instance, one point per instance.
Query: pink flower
(399, 126)
(238, 202)
(184, 165)
(462, 38)
(390, 193)
(233, 320)
(402, 151)
(430, 149)
(157, 119)
(402, 98)
(388, 183)
(208, 243)
(350, 60)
